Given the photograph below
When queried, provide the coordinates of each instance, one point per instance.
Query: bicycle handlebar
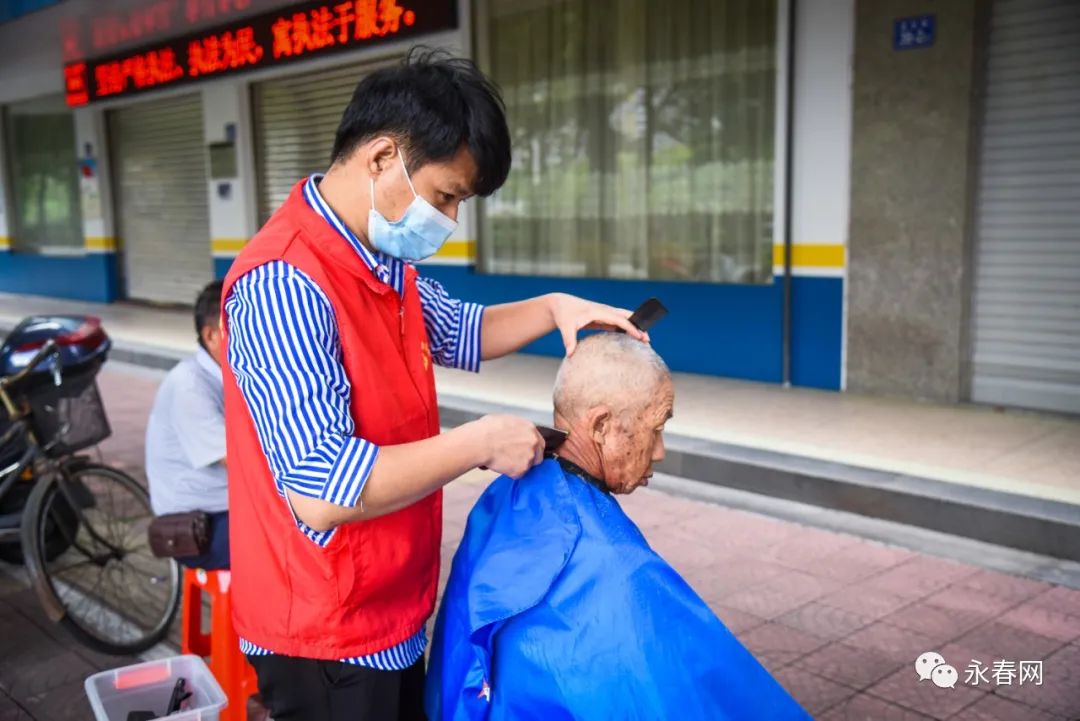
(46, 350)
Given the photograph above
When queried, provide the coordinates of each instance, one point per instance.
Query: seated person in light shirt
(185, 436)
(556, 606)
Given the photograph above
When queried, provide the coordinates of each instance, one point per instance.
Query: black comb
(647, 314)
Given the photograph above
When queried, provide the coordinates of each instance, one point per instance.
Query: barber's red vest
(374, 585)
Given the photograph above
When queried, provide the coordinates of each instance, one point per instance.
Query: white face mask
(419, 234)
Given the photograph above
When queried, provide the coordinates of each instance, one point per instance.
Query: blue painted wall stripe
(91, 277)
(723, 330)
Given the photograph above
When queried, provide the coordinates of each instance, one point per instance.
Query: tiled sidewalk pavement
(839, 620)
(41, 668)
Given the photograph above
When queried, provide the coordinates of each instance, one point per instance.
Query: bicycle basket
(70, 417)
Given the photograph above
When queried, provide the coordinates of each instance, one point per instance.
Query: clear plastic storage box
(148, 687)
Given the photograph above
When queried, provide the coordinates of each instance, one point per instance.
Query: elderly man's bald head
(614, 395)
(609, 369)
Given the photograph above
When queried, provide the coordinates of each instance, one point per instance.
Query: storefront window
(44, 177)
(643, 136)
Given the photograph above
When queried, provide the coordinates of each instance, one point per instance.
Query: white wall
(97, 212)
(821, 171)
(232, 218)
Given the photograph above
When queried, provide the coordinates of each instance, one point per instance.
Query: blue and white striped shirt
(285, 353)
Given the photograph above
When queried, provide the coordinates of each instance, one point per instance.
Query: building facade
(827, 193)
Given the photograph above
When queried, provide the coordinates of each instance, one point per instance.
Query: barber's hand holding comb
(573, 314)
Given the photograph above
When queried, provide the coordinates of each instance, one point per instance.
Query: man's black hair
(433, 104)
(207, 309)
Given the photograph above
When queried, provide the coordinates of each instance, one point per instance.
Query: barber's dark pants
(301, 689)
(216, 557)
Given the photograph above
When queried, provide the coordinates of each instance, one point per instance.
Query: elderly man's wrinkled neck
(620, 444)
(578, 448)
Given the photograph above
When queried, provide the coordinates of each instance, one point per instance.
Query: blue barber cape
(557, 608)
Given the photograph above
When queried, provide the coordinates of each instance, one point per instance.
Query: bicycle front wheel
(106, 588)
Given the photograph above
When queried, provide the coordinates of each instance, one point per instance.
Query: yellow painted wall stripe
(456, 250)
(100, 243)
(811, 256)
(803, 256)
(227, 245)
(453, 250)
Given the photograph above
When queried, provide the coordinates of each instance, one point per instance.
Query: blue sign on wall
(913, 33)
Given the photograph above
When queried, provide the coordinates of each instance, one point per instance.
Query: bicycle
(83, 529)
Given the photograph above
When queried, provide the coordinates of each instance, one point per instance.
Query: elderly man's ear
(597, 421)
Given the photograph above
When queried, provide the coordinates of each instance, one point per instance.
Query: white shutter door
(159, 160)
(295, 122)
(1026, 306)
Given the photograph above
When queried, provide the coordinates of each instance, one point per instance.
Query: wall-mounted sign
(912, 33)
(307, 30)
(222, 160)
(89, 185)
(100, 30)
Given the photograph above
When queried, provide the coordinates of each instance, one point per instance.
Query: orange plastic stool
(221, 645)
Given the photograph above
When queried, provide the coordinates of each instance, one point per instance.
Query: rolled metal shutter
(159, 158)
(295, 121)
(1026, 305)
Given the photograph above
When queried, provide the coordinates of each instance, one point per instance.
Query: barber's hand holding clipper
(513, 444)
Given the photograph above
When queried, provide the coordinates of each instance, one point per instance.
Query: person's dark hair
(207, 309)
(433, 104)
